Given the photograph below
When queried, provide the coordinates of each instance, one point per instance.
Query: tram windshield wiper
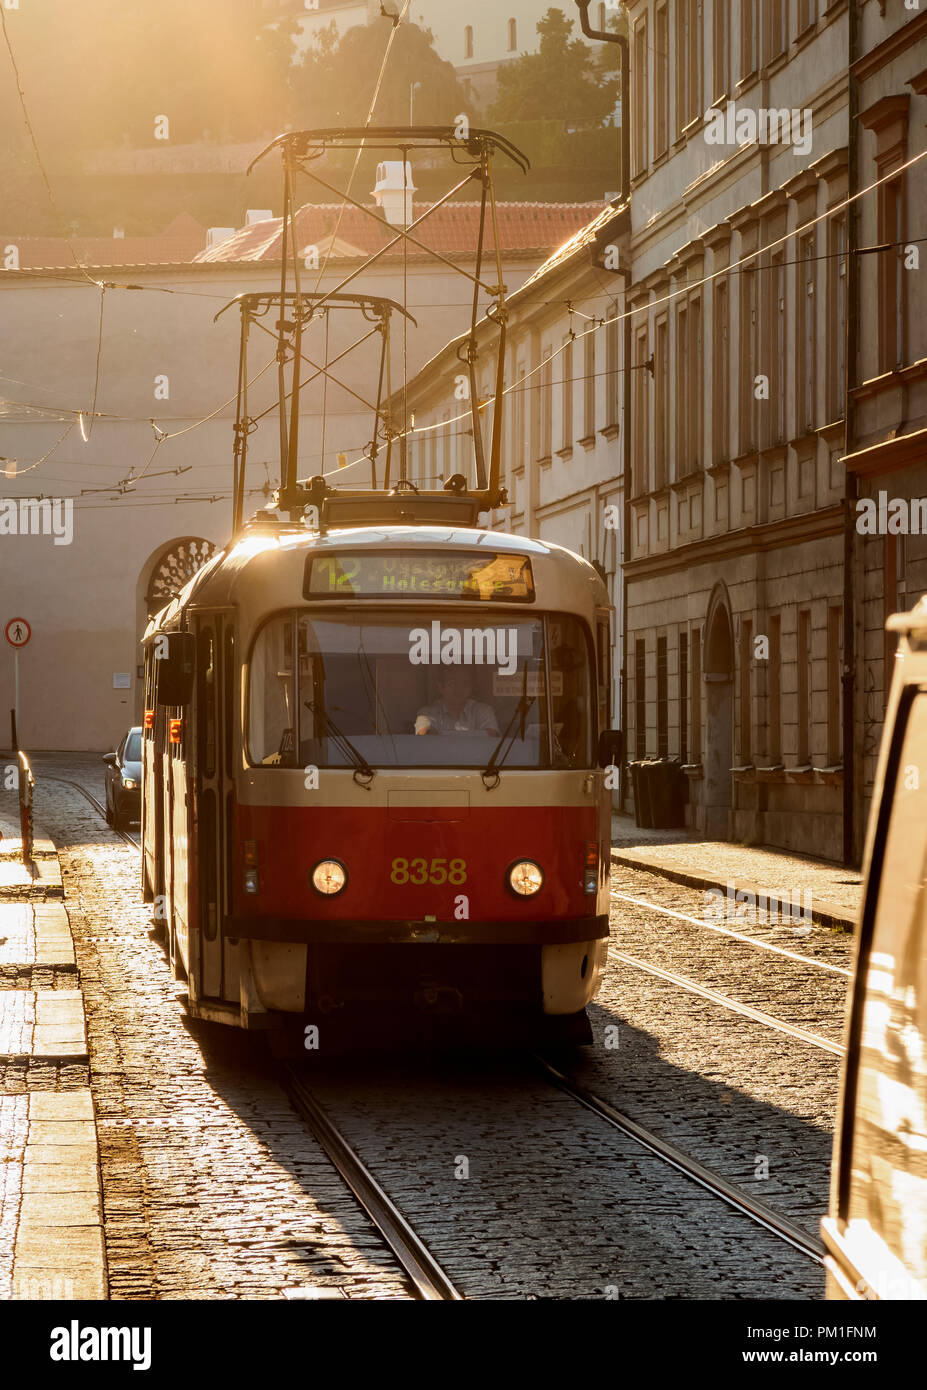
(495, 762)
(362, 769)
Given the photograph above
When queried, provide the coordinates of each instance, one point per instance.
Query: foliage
(567, 76)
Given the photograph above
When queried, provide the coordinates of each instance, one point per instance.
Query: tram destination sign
(476, 575)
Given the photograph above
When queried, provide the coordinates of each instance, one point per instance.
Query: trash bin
(643, 812)
(668, 794)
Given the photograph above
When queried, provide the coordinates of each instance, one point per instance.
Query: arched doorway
(719, 708)
(174, 567)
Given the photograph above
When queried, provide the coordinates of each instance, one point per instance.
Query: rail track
(691, 1168)
(97, 806)
(737, 936)
(428, 1279)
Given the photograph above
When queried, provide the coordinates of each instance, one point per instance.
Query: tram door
(213, 638)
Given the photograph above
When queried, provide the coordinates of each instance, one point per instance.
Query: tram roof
(272, 558)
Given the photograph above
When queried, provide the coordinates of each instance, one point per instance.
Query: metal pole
(16, 698)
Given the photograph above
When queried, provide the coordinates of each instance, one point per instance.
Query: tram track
(736, 935)
(97, 806)
(728, 1192)
(428, 1279)
(726, 1002)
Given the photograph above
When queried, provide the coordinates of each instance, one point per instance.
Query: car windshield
(410, 690)
(133, 753)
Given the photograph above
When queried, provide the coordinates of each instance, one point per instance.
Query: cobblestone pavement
(212, 1188)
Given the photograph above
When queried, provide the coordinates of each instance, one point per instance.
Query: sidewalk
(51, 1231)
(836, 892)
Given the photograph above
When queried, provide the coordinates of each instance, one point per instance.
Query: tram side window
(273, 704)
(571, 706)
(888, 1147)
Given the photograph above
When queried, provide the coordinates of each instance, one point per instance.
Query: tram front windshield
(416, 690)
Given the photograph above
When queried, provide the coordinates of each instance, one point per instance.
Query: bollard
(26, 785)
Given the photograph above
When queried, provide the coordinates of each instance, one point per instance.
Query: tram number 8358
(419, 871)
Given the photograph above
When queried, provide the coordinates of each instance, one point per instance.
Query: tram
(374, 774)
(375, 735)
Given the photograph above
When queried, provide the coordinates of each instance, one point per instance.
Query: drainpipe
(851, 489)
(609, 36)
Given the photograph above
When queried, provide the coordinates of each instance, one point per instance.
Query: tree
(566, 79)
(335, 83)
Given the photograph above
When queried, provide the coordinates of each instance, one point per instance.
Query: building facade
(561, 444)
(135, 517)
(776, 294)
(734, 562)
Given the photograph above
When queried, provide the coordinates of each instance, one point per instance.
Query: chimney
(393, 191)
(216, 234)
(257, 215)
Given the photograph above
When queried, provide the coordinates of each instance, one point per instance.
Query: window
(721, 49)
(342, 692)
(748, 326)
(612, 379)
(777, 39)
(834, 684)
(774, 348)
(661, 71)
(589, 356)
(688, 393)
(688, 63)
(891, 275)
(807, 14)
(546, 407)
(660, 401)
(749, 38)
(640, 417)
(882, 1175)
(133, 747)
(837, 317)
(520, 394)
(746, 692)
(513, 35)
(468, 41)
(684, 696)
(566, 394)
(774, 692)
(662, 701)
(641, 93)
(640, 698)
(803, 657)
(721, 373)
(696, 638)
(804, 384)
(683, 386)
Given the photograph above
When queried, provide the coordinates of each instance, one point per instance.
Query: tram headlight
(525, 878)
(329, 877)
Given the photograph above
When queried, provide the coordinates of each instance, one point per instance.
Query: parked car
(876, 1231)
(124, 781)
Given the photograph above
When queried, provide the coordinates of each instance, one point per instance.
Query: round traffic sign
(17, 632)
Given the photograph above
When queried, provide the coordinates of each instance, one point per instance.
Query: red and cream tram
(373, 774)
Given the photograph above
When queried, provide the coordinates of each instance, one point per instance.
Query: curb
(57, 1250)
(822, 915)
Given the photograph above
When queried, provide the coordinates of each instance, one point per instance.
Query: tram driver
(454, 712)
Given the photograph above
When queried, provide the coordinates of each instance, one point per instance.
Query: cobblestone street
(213, 1188)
